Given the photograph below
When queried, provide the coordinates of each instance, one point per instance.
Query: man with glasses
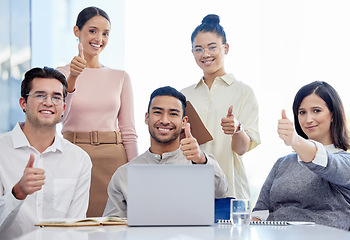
(42, 176)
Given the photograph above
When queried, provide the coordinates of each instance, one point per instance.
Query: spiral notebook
(271, 223)
(278, 223)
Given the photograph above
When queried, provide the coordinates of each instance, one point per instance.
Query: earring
(24, 110)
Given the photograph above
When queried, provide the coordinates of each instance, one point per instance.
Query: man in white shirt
(165, 119)
(42, 175)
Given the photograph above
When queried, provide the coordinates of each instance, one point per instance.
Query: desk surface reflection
(217, 231)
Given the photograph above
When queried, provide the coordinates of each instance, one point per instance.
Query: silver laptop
(170, 195)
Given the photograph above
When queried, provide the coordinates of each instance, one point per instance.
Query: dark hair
(168, 91)
(45, 72)
(87, 13)
(339, 133)
(210, 23)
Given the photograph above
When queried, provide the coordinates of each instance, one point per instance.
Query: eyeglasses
(41, 97)
(211, 50)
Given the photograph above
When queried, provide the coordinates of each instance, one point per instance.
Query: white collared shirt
(321, 154)
(65, 193)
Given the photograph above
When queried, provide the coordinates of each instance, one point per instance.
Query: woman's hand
(229, 123)
(286, 130)
(78, 63)
(305, 149)
(240, 141)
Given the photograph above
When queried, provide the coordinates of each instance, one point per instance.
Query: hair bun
(211, 19)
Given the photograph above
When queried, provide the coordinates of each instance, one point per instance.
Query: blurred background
(276, 47)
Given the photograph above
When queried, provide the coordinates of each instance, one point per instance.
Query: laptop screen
(170, 195)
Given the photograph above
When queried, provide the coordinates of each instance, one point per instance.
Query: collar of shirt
(332, 149)
(228, 79)
(19, 140)
(167, 156)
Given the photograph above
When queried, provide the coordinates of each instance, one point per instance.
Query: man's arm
(80, 201)
(221, 185)
(9, 207)
(116, 203)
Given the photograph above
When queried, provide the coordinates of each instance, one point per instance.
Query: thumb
(229, 113)
(284, 115)
(188, 130)
(31, 161)
(81, 50)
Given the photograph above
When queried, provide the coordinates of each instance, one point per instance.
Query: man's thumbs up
(30, 161)
(188, 131)
(32, 180)
(190, 147)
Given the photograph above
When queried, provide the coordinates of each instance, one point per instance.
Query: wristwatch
(240, 128)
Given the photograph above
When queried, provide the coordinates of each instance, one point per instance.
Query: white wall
(53, 41)
(276, 46)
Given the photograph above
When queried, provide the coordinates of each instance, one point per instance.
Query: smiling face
(315, 119)
(43, 114)
(211, 59)
(94, 35)
(165, 121)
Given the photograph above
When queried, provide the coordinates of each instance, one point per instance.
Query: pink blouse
(102, 101)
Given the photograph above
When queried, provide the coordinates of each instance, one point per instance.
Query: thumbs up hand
(286, 130)
(190, 147)
(78, 64)
(81, 50)
(229, 123)
(32, 180)
(229, 112)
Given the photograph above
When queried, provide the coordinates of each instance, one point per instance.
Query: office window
(14, 58)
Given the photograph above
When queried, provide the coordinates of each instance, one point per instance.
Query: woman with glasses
(313, 183)
(100, 118)
(227, 107)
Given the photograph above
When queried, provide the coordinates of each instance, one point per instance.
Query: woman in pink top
(100, 111)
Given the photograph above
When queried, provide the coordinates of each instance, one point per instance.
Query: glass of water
(240, 212)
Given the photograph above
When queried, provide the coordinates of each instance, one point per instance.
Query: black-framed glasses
(41, 97)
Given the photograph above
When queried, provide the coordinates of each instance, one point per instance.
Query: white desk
(216, 231)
